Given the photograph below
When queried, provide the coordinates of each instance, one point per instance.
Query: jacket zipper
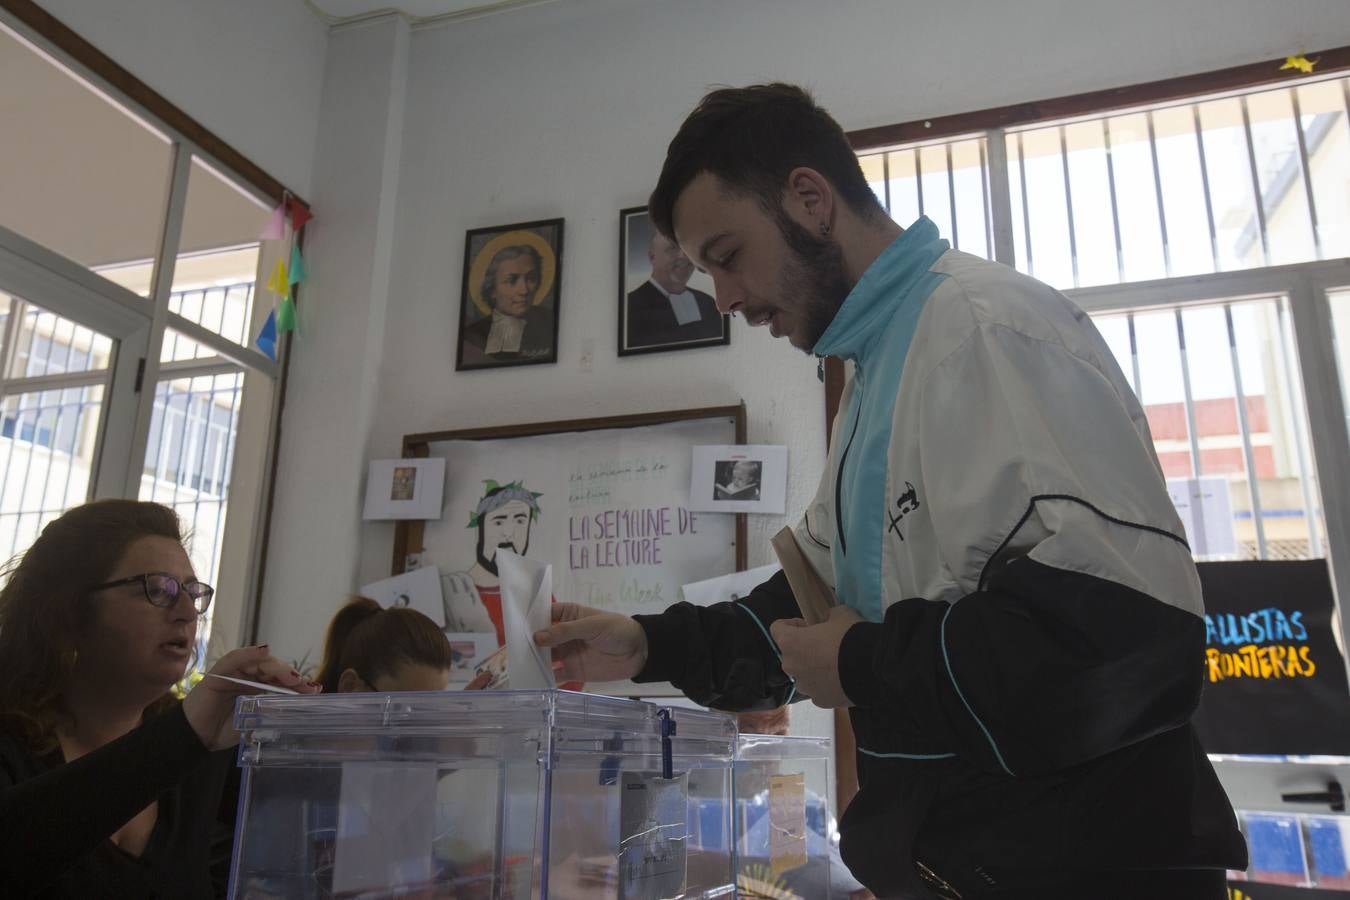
(839, 476)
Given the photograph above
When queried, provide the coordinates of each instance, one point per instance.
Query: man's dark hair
(751, 138)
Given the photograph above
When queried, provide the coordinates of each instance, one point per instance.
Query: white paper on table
(527, 593)
(386, 826)
(419, 589)
(727, 587)
(1206, 513)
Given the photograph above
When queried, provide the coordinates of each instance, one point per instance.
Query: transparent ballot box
(468, 795)
(783, 829)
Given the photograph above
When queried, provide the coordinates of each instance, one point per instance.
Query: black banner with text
(1275, 680)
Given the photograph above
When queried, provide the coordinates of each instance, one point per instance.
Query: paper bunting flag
(1300, 63)
(286, 315)
(300, 213)
(278, 284)
(298, 273)
(276, 226)
(267, 338)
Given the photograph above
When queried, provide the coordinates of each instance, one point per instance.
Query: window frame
(1306, 285)
(138, 324)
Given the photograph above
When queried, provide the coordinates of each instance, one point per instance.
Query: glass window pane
(1284, 490)
(1230, 184)
(1050, 257)
(218, 259)
(1094, 230)
(970, 178)
(1183, 191)
(1280, 173)
(1136, 198)
(47, 344)
(189, 455)
(937, 204)
(904, 187)
(88, 179)
(874, 170)
(48, 440)
(1322, 107)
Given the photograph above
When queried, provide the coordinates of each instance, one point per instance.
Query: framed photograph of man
(664, 302)
(508, 305)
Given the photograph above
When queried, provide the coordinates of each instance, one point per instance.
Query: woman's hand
(209, 706)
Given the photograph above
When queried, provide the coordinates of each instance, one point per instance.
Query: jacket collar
(885, 288)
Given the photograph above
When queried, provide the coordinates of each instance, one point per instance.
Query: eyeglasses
(162, 590)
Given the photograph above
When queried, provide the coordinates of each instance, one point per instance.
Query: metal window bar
(1248, 455)
(918, 177)
(1307, 172)
(984, 201)
(1068, 203)
(1026, 207)
(951, 196)
(1256, 182)
(1002, 245)
(1187, 397)
(1299, 426)
(1134, 360)
(886, 181)
(1158, 194)
(1115, 212)
(1204, 184)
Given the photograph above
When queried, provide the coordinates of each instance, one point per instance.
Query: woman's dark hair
(45, 605)
(751, 138)
(374, 641)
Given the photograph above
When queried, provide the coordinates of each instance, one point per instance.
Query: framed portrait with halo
(508, 305)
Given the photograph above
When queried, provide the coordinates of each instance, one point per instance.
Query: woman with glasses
(109, 786)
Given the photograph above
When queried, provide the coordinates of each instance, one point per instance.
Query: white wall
(565, 109)
(249, 70)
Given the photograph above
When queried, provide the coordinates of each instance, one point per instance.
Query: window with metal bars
(1188, 229)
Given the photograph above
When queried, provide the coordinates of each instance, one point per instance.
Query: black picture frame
(487, 250)
(647, 320)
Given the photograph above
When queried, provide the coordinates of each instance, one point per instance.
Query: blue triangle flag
(267, 338)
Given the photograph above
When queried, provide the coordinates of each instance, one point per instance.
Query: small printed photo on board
(508, 305)
(664, 302)
(405, 483)
(739, 478)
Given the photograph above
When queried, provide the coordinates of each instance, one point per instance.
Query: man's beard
(815, 274)
(491, 564)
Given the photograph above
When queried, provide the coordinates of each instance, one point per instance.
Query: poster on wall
(608, 508)
(1275, 680)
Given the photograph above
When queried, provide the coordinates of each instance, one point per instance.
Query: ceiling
(337, 11)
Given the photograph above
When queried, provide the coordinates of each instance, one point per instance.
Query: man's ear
(809, 200)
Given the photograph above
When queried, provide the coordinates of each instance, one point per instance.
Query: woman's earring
(824, 229)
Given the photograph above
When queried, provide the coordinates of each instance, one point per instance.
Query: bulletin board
(606, 501)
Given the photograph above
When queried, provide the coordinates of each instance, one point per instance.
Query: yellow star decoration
(1300, 63)
(1235, 894)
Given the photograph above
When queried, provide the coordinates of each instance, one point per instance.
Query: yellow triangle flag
(1300, 63)
(278, 284)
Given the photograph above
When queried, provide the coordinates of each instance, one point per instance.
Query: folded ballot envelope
(814, 596)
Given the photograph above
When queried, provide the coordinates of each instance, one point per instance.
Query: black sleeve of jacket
(722, 655)
(49, 822)
(1041, 670)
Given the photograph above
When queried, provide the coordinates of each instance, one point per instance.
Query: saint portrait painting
(508, 309)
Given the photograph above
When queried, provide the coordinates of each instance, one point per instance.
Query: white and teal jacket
(1034, 635)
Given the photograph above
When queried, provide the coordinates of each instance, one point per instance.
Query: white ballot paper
(386, 826)
(653, 836)
(527, 593)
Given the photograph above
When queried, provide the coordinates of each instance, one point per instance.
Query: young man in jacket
(1020, 638)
